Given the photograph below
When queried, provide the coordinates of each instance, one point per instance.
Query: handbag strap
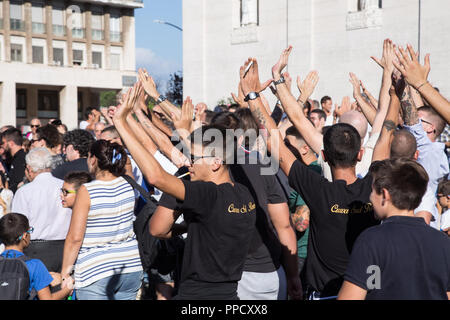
(136, 186)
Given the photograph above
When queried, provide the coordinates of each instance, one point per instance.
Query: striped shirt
(109, 246)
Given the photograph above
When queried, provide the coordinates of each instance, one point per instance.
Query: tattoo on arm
(300, 218)
(409, 109)
(389, 125)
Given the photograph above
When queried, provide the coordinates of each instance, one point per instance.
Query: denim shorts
(123, 286)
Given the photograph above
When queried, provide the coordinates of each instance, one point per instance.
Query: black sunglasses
(195, 158)
(35, 126)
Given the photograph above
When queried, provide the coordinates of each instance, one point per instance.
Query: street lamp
(168, 23)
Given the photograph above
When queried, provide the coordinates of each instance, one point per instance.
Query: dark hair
(227, 143)
(325, 129)
(234, 106)
(307, 105)
(88, 111)
(292, 131)
(12, 226)
(324, 99)
(3, 178)
(435, 118)
(110, 156)
(404, 144)
(341, 145)
(111, 129)
(221, 108)
(209, 114)
(56, 122)
(226, 119)
(444, 187)
(13, 134)
(405, 179)
(320, 113)
(81, 140)
(50, 134)
(77, 178)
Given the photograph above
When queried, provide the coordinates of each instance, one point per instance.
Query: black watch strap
(281, 80)
(251, 96)
(161, 98)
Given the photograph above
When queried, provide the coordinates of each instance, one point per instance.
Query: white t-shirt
(84, 124)
(7, 197)
(167, 165)
(445, 220)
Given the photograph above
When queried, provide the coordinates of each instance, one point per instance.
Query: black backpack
(160, 254)
(15, 279)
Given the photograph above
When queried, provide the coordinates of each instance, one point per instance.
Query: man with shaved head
(404, 145)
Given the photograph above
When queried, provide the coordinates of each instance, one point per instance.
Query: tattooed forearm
(300, 218)
(409, 109)
(389, 125)
(260, 117)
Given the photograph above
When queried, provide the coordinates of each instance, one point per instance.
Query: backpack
(15, 279)
(155, 253)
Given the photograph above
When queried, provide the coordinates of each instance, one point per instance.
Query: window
(37, 17)
(21, 103)
(77, 25)
(114, 26)
(97, 24)
(115, 61)
(16, 52)
(58, 56)
(78, 57)
(38, 54)
(96, 59)
(249, 12)
(369, 4)
(16, 21)
(58, 20)
(48, 104)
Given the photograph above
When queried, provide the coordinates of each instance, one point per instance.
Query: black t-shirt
(16, 172)
(265, 249)
(338, 214)
(221, 219)
(71, 166)
(412, 258)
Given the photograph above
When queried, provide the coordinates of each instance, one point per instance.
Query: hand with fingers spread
(281, 64)
(415, 73)
(356, 85)
(148, 83)
(239, 99)
(386, 61)
(307, 86)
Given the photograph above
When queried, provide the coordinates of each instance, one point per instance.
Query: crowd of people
(305, 199)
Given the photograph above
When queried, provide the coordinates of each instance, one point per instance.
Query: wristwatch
(281, 80)
(251, 96)
(160, 99)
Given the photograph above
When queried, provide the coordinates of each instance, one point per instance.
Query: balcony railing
(78, 33)
(97, 34)
(38, 27)
(59, 30)
(16, 24)
(115, 36)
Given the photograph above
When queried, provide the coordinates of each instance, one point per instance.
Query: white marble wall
(325, 36)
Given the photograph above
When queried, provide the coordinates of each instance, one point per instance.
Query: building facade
(57, 56)
(334, 37)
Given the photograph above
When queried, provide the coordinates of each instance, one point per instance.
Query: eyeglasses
(35, 125)
(35, 140)
(28, 231)
(195, 158)
(65, 192)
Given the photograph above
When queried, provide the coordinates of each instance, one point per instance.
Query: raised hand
(307, 86)
(386, 61)
(239, 99)
(413, 72)
(282, 63)
(148, 83)
(288, 79)
(356, 85)
(344, 107)
(184, 122)
(250, 83)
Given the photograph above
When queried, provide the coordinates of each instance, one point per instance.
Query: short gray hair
(39, 159)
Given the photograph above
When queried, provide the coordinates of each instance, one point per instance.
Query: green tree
(175, 88)
(108, 98)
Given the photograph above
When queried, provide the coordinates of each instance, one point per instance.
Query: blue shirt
(39, 275)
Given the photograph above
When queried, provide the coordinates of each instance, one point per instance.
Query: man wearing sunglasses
(34, 124)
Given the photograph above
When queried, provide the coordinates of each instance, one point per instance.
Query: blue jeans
(117, 287)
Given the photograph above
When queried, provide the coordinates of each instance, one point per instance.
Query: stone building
(334, 37)
(57, 56)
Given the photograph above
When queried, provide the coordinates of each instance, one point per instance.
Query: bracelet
(251, 96)
(281, 80)
(422, 85)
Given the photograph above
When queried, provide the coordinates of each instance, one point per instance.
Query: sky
(159, 47)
